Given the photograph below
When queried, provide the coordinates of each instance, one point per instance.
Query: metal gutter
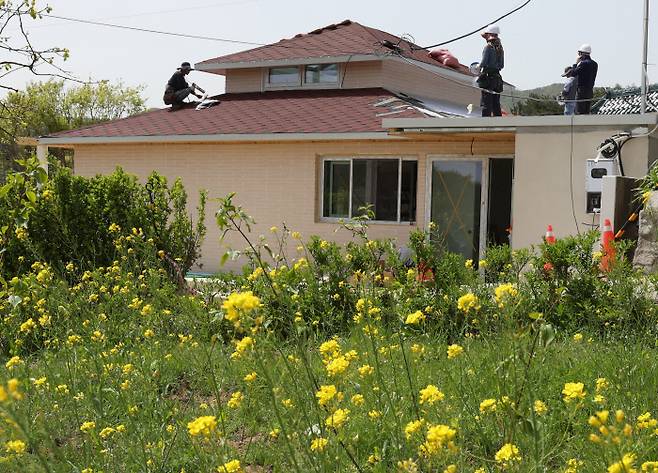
(495, 124)
(260, 137)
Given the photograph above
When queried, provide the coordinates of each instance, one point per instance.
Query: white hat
(491, 29)
(585, 48)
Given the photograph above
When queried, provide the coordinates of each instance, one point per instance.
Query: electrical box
(594, 181)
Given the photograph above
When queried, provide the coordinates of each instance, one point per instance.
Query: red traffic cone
(607, 240)
(550, 236)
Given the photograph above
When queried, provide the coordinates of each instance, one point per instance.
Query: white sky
(539, 40)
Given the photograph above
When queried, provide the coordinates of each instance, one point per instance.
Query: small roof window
(321, 74)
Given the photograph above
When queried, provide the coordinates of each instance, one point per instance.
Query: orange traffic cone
(550, 236)
(607, 245)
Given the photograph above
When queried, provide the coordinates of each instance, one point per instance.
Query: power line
(184, 35)
(479, 29)
(147, 30)
(159, 12)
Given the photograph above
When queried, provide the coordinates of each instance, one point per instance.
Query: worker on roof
(568, 95)
(178, 89)
(490, 80)
(584, 71)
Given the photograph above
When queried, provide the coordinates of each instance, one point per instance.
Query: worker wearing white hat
(584, 71)
(490, 80)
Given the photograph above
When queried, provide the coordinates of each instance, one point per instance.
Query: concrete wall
(275, 182)
(544, 166)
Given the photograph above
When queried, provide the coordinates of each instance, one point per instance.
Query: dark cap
(567, 71)
(185, 65)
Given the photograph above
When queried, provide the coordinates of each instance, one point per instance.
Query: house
(626, 102)
(312, 128)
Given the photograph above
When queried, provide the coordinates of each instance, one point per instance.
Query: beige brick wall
(421, 83)
(244, 80)
(275, 182)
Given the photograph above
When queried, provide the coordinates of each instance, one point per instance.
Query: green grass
(171, 384)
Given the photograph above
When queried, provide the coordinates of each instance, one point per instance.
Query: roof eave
(222, 67)
(498, 124)
(214, 138)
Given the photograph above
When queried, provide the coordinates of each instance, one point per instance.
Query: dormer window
(311, 75)
(321, 74)
(283, 76)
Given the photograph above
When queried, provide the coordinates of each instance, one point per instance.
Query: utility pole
(643, 103)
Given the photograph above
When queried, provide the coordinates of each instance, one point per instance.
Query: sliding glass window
(385, 186)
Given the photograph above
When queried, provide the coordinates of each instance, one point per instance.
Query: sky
(540, 40)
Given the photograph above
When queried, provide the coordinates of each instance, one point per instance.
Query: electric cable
(502, 94)
(477, 30)
(183, 35)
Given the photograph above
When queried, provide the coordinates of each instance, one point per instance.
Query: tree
(48, 107)
(18, 53)
(541, 104)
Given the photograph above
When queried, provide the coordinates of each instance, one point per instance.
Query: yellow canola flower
(240, 302)
(242, 346)
(454, 351)
(572, 465)
(204, 425)
(366, 370)
(338, 418)
(236, 400)
(415, 318)
(573, 392)
(325, 394)
(450, 469)
(438, 437)
(430, 395)
(412, 427)
(337, 366)
(27, 326)
(407, 466)
(488, 405)
(230, 467)
(467, 302)
(540, 407)
(505, 292)
(13, 361)
(330, 348)
(650, 466)
(625, 465)
(358, 399)
(601, 384)
(508, 455)
(16, 447)
(251, 377)
(319, 444)
(88, 426)
(646, 421)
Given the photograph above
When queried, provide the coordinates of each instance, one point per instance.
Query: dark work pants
(490, 104)
(583, 108)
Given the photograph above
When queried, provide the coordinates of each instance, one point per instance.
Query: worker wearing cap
(584, 71)
(177, 88)
(493, 60)
(569, 92)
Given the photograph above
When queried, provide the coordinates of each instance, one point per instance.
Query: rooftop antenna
(643, 99)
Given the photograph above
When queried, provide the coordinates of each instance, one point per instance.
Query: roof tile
(294, 111)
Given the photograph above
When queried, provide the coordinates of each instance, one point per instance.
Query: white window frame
(351, 159)
(290, 85)
(321, 84)
(301, 79)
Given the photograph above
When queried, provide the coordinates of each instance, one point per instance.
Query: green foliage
(75, 219)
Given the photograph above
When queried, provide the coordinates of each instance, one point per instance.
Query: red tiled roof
(293, 111)
(342, 39)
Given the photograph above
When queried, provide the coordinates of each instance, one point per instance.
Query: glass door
(457, 204)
